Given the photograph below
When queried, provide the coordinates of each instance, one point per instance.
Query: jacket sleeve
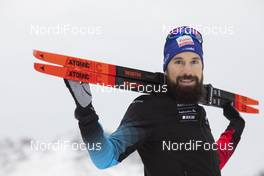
(112, 149)
(229, 140)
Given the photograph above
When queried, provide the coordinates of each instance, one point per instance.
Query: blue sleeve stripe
(105, 157)
(114, 145)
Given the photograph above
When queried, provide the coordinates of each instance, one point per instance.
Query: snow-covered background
(29, 157)
(129, 33)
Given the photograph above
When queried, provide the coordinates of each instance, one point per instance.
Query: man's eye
(195, 62)
(178, 62)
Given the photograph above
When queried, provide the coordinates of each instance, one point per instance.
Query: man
(169, 130)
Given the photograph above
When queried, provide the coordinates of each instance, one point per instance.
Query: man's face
(185, 77)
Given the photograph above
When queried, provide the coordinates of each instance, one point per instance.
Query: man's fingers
(86, 88)
(80, 91)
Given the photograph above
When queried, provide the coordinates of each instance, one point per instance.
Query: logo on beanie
(184, 40)
(167, 57)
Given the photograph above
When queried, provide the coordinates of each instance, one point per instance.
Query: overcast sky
(132, 34)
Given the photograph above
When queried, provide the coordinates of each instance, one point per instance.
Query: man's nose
(187, 69)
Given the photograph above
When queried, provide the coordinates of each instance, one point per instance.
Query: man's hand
(236, 121)
(82, 96)
(80, 92)
(230, 112)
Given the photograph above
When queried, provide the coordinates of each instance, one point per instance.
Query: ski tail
(218, 98)
(246, 100)
(220, 102)
(234, 96)
(244, 108)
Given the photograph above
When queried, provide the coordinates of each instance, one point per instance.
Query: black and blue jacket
(155, 126)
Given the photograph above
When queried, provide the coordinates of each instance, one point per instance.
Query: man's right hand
(82, 96)
(80, 92)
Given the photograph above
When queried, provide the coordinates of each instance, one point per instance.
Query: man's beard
(186, 94)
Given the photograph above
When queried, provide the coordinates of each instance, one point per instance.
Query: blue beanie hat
(180, 40)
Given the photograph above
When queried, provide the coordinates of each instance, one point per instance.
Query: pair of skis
(104, 74)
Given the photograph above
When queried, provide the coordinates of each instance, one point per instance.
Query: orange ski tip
(37, 54)
(39, 67)
(36, 66)
(246, 100)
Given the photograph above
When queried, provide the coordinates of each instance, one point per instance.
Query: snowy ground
(18, 158)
